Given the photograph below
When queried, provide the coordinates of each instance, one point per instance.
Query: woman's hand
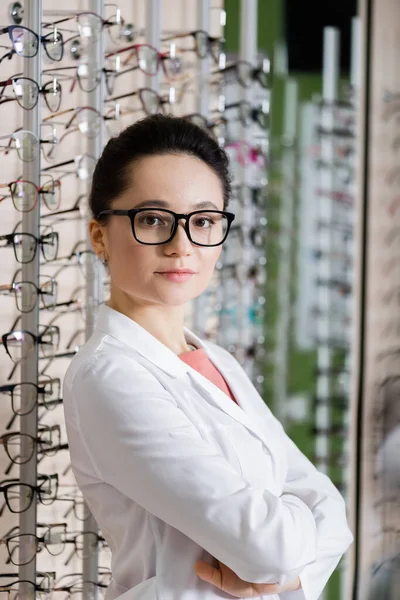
(225, 579)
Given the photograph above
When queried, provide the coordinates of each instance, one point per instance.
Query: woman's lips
(176, 276)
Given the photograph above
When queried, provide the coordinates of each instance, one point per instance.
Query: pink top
(199, 360)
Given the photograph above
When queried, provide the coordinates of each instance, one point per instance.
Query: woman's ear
(98, 238)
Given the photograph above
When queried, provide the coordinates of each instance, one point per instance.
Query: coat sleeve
(139, 441)
(317, 491)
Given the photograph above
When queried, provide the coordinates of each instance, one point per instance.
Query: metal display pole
(94, 296)
(286, 247)
(202, 107)
(326, 211)
(330, 87)
(203, 23)
(30, 321)
(248, 52)
(153, 36)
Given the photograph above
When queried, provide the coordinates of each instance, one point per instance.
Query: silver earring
(102, 258)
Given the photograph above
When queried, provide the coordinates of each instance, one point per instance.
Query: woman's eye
(150, 220)
(204, 222)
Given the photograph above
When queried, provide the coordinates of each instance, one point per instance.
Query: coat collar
(129, 332)
(251, 411)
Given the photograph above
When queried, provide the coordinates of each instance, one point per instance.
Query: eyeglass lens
(25, 42)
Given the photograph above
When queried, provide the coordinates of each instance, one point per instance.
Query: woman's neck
(165, 324)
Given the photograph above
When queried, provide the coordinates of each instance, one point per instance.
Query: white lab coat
(175, 472)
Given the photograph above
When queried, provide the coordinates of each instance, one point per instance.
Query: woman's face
(185, 184)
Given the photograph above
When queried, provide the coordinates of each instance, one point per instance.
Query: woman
(193, 482)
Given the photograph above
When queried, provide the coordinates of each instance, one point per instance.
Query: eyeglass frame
(40, 39)
(10, 239)
(210, 41)
(41, 90)
(131, 213)
(40, 190)
(39, 441)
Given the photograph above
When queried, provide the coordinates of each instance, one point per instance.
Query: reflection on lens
(245, 110)
(24, 195)
(92, 543)
(148, 59)
(52, 194)
(24, 397)
(25, 42)
(49, 340)
(89, 122)
(115, 27)
(244, 73)
(22, 548)
(49, 293)
(20, 448)
(25, 296)
(202, 43)
(54, 45)
(151, 101)
(263, 79)
(55, 539)
(25, 247)
(52, 95)
(19, 497)
(89, 26)
(27, 145)
(199, 120)
(26, 92)
(20, 344)
(88, 76)
(86, 165)
(50, 246)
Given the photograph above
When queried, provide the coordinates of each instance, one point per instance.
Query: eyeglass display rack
(68, 317)
(241, 297)
(327, 241)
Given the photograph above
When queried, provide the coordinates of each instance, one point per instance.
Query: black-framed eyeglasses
(155, 226)
(25, 395)
(19, 496)
(23, 547)
(25, 245)
(20, 343)
(245, 73)
(12, 443)
(23, 588)
(25, 42)
(27, 90)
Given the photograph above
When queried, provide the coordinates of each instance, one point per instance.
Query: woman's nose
(180, 242)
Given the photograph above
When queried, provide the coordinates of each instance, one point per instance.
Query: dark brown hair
(155, 134)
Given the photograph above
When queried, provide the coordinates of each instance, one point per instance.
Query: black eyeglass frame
(44, 39)
(131, 213)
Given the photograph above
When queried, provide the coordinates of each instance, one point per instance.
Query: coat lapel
(251, 411)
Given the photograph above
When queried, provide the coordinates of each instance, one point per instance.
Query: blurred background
(305, 98)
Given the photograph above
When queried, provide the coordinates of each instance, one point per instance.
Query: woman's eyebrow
(165, 204)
